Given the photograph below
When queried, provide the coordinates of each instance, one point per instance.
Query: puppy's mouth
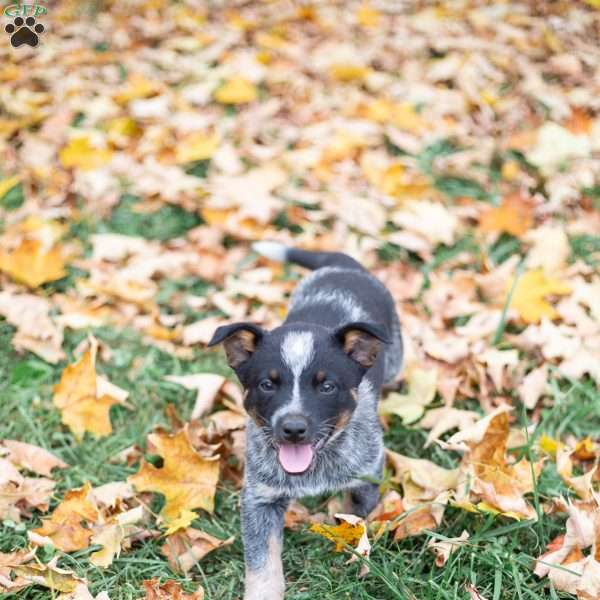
(297, 458)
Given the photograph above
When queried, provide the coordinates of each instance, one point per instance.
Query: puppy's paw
(264, 588)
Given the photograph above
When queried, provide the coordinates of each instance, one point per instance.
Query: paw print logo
(24, 32)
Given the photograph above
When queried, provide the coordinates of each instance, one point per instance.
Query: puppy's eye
(266, 385)
(327, 387)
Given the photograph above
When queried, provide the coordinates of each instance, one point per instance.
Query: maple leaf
(32, 264)
(186, 479)
(186, 548)
(64, 529)
(236, 91)
(76, 396)
(49, 576)
(197, 146)
(33, 458)
(530, 294)
(351, 531)
(514, 216)
(79, 153)
(422, 385)
(169, 590)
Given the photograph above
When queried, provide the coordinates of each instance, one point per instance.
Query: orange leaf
(186, 479)
(65, 527)
(514, 216)
(348, 533)
(77, 398)
(33, 265)
(170, 590)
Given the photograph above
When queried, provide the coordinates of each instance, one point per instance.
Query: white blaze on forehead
(297, 351)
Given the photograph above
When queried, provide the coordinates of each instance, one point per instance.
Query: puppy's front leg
(262, 531)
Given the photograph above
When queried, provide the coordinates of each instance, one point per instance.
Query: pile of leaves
(453, 148)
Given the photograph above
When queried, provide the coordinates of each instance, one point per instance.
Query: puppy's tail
(305, 258)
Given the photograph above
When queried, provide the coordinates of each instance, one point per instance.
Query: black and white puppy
(311, 390)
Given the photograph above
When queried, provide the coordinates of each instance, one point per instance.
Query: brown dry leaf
(533, 386)
(530, 295)
(113, 534)
(32, 264)
(500, 484)
(441, 420)
(21, 494)
(64, 529)
(443, 548)
(33, 458)
(37, 331)
(169, 590)
(513, 216)
(76, 396)
(186, 548)
(207, 386)
(186, 479)
(582, 484)
(49, 576)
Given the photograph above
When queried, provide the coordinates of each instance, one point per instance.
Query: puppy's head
(300, 381)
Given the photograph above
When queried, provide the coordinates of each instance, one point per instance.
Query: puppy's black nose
(294, 428)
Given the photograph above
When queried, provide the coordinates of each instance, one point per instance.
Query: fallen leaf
(422, 386)
(186, 548)
(33, 458)
(49, 576)
(169, 590)
(186, 479)
(65, 529)
(32, 264)
(207, 386)
(236, 91)
(513, 216)
(76, 396)
(351, 531)
(197, 146)
(441, 420)
(443, 548)
(79, 153)
(530, 295)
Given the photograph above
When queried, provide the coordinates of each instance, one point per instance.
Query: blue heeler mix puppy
(311, 389)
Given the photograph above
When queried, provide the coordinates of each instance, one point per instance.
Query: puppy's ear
(362, 341)
(240, 341)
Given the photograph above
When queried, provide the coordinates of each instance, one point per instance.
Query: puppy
(311, 390)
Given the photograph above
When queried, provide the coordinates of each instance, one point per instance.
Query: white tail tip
(272, 250)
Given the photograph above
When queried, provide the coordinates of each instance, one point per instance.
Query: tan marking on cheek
(253, 414)
(342, 420)
(267, 583)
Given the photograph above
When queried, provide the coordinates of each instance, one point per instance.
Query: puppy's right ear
(240, 341)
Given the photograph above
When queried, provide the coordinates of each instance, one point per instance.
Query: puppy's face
(300, 381)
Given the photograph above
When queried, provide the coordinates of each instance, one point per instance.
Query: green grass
(498, 558)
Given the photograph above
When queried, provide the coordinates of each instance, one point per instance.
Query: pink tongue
(295, 458)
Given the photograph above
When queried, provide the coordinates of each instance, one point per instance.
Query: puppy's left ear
(362, 341)
(240, 341)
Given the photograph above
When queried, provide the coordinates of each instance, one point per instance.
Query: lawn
(452, 148)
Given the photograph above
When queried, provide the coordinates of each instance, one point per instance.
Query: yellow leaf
(422, 385)
(65, 529)
(236, 91)
(197, 146)
(548, 445)
(186, 479)
(367, 16)
(347, 72)
(122, 127)
(48, 576)
(348, 533)
(530, 293)
(593, 3)
(8, 184)
(137, 87)
(80, 154)
(82, 408)
(32, 265)
(514, 216)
